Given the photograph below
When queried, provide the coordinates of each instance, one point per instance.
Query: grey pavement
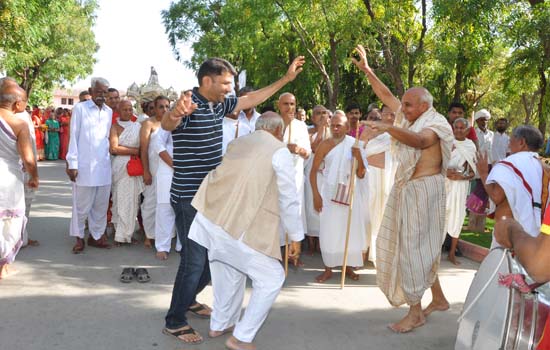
(58, 300)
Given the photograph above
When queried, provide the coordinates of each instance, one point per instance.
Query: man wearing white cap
(484, 135)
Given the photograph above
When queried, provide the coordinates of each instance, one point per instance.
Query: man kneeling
(239, 208)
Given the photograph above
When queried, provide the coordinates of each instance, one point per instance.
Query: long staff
(286, 234)
(237, 130)
(351, 192)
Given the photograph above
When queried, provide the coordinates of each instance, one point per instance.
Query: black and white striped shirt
(198, 145)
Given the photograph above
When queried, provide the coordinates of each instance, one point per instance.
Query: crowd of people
(244, 191)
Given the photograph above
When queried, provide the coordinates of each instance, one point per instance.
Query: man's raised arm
(379, 88)
(184, 107)
(254, 98)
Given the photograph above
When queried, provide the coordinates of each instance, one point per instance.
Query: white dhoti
(126, 188)
(380, 184)
(149, 204)
(457, 190)
(334, 216)
(231, 262)
(89, 202)
(165, 218)
(312, 216)
(148, 207)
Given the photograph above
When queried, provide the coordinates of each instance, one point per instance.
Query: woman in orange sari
(64, 122)
(37, 122)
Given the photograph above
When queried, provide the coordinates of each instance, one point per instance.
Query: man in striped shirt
(196, 125)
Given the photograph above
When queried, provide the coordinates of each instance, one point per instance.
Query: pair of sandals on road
(140, 274)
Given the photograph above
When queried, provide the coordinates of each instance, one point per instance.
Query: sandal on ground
(127, 275)
(181, 332)
(142, 275)
(195, 310)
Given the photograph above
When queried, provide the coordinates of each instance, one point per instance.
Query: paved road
(63, 301)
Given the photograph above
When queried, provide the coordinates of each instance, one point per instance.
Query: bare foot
(233, 343)
(33, 243)
(147, 243)
(324, 276)
(351, 274)
(452, 258)
(436, 306)
(215, 334)
(408, 323)
(161, 255)
(186, 334)
(7, 271)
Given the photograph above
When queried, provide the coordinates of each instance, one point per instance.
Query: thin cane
(348, 227)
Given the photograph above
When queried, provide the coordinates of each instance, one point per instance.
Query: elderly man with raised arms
(409, 241)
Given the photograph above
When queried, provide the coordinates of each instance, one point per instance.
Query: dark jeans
(194, 271)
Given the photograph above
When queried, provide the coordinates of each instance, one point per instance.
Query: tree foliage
(486, 53)
(47, 42)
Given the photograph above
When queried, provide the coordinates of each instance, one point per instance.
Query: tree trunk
(540, 107)
(333, 100)
(459, 76)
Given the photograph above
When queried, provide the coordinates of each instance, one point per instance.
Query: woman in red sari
(64, 122)
(37, 122)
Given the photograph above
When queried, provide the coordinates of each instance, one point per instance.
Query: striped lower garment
(408, 248)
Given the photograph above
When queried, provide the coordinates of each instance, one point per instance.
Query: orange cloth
(544, 342)
(545, 227)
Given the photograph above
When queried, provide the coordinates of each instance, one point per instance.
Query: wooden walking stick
(237, 130)
(286, 234)
(351, 192)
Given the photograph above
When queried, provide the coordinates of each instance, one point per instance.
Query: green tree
(47, 42)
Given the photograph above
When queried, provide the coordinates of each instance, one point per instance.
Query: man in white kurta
(296, 138)
(460, 170)
(161, 143)
(515, 183)
(247, 117)
(338, 154)
(89, 167)
(484, 135)
(238, 219)
(233, 128)
(501, 141)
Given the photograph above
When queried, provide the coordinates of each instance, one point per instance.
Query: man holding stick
(338, 153)
(196, 125)
(410, 237)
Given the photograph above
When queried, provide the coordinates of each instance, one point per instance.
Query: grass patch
(481, 239)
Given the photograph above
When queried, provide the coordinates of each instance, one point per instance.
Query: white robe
(149, 204)
(334, 216)
(457, 190)
(230, 131)
(380, 184)
(297, 133)
(501, 146)
(518, 196)
(126, 188)
(164, 213)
